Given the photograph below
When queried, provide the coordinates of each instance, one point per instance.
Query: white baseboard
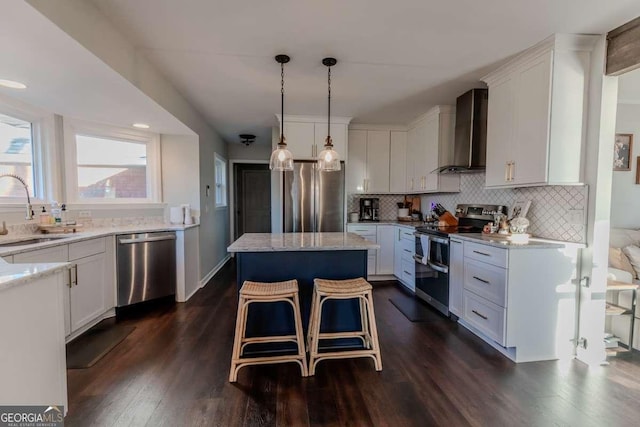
(212, 273)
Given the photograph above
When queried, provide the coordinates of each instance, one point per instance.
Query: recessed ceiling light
(12, 84)
(141, 125)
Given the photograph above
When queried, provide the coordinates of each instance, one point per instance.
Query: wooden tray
(59, 228)
(406, 219)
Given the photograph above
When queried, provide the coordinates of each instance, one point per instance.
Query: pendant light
(281, 158)
(329, 160)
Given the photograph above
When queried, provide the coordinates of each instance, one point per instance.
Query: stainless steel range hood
(470, 145)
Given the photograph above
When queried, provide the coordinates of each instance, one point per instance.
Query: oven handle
(419, 260)
(438, 267)
(440, 240)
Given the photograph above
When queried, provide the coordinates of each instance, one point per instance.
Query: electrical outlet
(84, 214)
(575, 216)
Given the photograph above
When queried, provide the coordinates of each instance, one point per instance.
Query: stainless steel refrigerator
(313, 200)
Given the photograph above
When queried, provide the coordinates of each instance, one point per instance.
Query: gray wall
(625, 193)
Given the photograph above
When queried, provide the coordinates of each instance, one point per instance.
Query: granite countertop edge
(300, 242)
(534, 242)
(12, 275)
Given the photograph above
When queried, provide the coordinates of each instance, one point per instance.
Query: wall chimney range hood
(470, 144)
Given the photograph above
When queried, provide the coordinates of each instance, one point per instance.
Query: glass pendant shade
(328, 159)
(281, 159)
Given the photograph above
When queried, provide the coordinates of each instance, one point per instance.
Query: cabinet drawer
(86, 248)
(407, 249)
(486, 253)
(486, 316)
(408, 272)
(406, 234)
(486, 280)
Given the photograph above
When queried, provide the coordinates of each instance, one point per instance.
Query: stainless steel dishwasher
(146, 265)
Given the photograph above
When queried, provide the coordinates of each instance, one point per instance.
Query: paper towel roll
(176, 215)
(188, 219)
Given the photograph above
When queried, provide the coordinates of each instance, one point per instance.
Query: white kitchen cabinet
(368, 165)
(456, 276)
(33, 368)
(404, 250)
(305, 135)
(385, 255)
(54, 254)
(537, 114)
(86, 294)
(429, 146)
(398, 162)
(89, 290)
(526, 312)
(369, 232)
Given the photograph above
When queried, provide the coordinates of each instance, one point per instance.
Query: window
(16, 156)
(110, 165)
(221, 181)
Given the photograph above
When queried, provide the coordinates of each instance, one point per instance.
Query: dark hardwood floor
(173, 371)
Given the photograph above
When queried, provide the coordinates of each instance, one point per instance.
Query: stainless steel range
(432, 252)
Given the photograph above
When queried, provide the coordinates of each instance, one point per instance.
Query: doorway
(252, 198)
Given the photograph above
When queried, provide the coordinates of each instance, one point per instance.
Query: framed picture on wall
(638, 170)
(622, 152)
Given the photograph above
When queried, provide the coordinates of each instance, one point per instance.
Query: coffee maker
(369, 209)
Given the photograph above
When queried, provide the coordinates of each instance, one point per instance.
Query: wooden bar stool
(325, 290)
(256, 292)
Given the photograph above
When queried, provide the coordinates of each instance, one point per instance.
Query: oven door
(432, 274)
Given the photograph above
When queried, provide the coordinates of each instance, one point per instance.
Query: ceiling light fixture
(141, 125)
(281, 158)
(12, 84)
(329, 160)
(247, 138)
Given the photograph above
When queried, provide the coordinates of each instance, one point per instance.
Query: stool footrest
(276, 338)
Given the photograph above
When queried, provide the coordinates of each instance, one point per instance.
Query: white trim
(74, 127)
(220, 159)
(432, 113)
(209, 275)
(43, 143)
(232, 199)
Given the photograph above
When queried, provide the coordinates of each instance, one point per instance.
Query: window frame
(42, 135)
(74, 127)
(217, 160)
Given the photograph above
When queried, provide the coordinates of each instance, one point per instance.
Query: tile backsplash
(549, 212)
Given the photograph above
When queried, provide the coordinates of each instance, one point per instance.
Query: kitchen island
(274, 257)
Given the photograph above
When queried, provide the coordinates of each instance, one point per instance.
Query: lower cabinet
(404, 250)
(456, 276)
(89, 290)
(369, 232)
(503, 295)
(385, 255)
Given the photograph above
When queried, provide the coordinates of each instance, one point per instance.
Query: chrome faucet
(26, 189)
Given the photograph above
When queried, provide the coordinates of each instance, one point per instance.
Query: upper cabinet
(305, 135)
(368, 166)
(429, 146)
(536, 115)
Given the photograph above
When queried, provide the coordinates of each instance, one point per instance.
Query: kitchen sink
(31, 241)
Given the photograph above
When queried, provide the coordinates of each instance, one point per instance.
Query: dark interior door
(253, 199)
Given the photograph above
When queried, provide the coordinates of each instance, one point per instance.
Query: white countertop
(16, 274)
(80, 236)
(286, 242)
(533, 243)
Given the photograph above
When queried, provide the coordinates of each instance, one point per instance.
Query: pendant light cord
(282, 103)
(329, 143)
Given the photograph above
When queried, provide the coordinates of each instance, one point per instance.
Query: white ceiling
(396, 58)
(65, 78)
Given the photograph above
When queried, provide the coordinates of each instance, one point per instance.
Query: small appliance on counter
(370, 209)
